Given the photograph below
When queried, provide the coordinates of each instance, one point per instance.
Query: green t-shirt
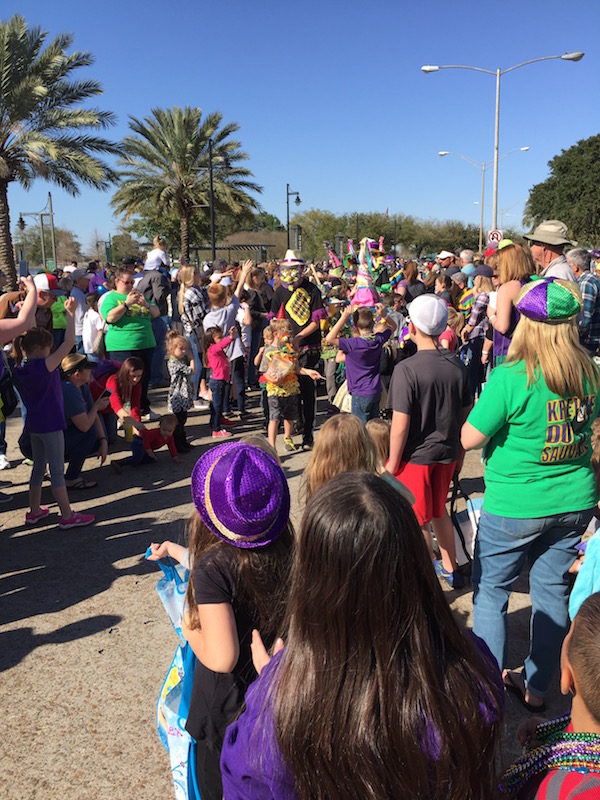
(133, 331)
(59, 315)
(537, 462)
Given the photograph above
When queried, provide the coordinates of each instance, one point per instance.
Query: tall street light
(40, 217)
(577, 56)
(482, 165)
(297, 201)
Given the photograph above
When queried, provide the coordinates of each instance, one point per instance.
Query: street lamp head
(297, 200)
(21, 222)
(524, 149)
(577, 56)
(444, 153)
(432, 68)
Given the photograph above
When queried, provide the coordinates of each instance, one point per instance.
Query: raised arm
(25, 319)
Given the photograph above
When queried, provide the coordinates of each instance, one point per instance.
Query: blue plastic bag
(174, 698)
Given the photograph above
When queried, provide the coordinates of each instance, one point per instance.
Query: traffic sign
(494, 236)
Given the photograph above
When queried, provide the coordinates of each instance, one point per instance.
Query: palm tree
(44, 131)
(166, 168)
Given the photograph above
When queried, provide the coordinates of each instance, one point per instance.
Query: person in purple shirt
(39, 386)
(362, 354)
(377, 693)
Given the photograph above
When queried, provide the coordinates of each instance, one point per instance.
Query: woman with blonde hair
(476, 328)
(515, 267)
(193, 306)
(534, 419)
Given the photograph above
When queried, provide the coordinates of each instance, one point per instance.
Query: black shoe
(307, 444)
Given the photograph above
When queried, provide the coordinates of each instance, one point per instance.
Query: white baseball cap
(429, 314)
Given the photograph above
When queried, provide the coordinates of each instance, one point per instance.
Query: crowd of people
(367, 686)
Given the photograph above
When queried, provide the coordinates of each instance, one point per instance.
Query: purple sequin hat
(549, 300)
(241, 494)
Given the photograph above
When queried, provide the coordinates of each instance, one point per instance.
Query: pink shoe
(31, 518)
(221, 434)
(76, 521)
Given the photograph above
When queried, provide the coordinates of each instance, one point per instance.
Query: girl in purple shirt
(377, 693)
(39, 385)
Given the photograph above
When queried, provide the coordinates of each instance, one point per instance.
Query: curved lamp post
(498, 73)
(482, 165)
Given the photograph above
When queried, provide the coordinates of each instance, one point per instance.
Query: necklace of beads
(573, 752)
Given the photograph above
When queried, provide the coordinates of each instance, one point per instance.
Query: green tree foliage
(571, 193)
(29, 242)
(412, 236)
(165, 171)
(45, 131)
(123, 246)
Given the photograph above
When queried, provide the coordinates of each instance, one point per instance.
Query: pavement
(84, 640)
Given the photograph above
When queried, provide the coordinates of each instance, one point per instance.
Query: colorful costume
(365, 294)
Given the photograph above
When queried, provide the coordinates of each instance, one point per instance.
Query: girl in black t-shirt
(240, 543)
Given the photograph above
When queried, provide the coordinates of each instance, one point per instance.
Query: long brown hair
(25, 345)
(378, 693)
(260, 574)
(124, 384)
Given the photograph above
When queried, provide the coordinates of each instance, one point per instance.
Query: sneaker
(227, 423)
(201, 405)
(31, 518)
(454, 579)
(151, 416)
(206, 396)
(243, 415)
(4, 462)
(307, 444)
(28, 462)
(221, 434)
(78, 520)
(289, 445)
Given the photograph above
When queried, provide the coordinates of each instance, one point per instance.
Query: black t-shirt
(414, 290)
(432, 387)
(299, 307)
(217, 697)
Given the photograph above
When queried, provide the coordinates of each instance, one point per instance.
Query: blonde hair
(160, 242)
(482, 284)
(260, 441)
(343, 445)
(173, 339)
(186, 279)
(268, 333)
(379, 430)
(515, 263)
(456, 321)
(553, 350)
(280, 326)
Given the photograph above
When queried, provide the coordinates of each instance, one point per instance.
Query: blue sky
(330, 97)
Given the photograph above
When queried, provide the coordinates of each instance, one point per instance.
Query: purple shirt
(252, 766)
(42, 395)
(363, 361)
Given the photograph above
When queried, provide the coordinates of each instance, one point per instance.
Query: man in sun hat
(430, 397)
(300, 301)
(547, 243)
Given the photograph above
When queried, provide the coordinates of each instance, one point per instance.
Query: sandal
(514, 683)
(80, 483)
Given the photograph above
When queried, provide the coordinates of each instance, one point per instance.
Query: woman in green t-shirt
(129, 316)
(534, 419)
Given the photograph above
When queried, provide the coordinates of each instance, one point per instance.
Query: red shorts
(429, 483)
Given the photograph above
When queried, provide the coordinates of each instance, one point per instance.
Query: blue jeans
(218, 389)
(502, 545)
(365, 408)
